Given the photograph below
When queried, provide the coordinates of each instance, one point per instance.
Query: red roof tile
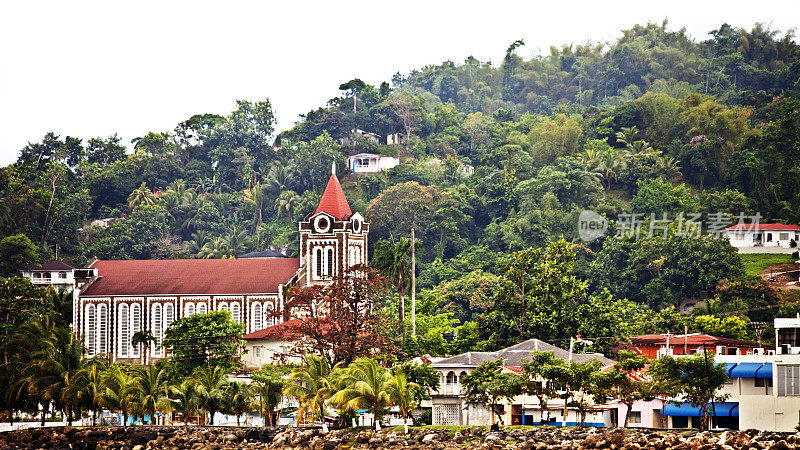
(192, 276)
(280, 331)
(763, 226)
(695, 339)
(333, 200)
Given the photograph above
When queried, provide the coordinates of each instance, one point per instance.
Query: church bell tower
(332, 239)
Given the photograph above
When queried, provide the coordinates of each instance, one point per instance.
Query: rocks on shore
(147, 437)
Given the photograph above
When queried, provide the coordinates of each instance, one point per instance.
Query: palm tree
(118, 393)
(238, 397)
(236, 240)
(184, 399)
(61, 302)
(393, 260)
(627, 135)
(610, 166)
(211, 383)
(90, 378)
(255, 197)
(310, 385)
(149, 391)
(214, 248)
(365, 386)
(268, 391)
(141, 196)
(53, 364)
(280, 178)
(403, 393)
(286, 204)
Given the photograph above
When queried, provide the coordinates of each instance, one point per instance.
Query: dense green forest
(654, 122)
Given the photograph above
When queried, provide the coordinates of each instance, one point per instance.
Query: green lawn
(754, 263)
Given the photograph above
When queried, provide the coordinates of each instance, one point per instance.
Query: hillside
(653, 124)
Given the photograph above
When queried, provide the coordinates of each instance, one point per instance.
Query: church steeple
(333, 200)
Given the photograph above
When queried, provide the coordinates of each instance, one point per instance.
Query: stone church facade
(115, 299)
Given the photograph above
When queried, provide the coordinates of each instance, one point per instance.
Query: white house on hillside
(762, 235)
(371, 163)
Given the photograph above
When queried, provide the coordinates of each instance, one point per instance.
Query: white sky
(93, 68)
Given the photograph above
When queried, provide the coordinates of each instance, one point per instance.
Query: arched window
(91, 329)
(318, 257)
(451, 378)
(269, 315)
(156, 324)
(236, 313)
(222, 306)
(202, 308)
(188, 310)
(331, 259)
(355, 256)
(136, 326)
(169, 315)
(124, 331)
(257, 324)
(102, 328)
(37, 275)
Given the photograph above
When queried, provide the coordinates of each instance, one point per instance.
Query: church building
(115, 299)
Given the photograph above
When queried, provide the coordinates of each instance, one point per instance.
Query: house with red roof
(780, 235)
(116, 299)
(654, 346)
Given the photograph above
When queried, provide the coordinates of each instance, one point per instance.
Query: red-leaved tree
(338, 321)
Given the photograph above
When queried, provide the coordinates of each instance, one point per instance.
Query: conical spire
(333, 200)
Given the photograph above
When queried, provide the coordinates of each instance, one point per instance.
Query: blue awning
(723, 409)
(745, 370)
(728, 367)
(765, 371)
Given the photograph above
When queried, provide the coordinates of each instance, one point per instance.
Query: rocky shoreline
(155, 437)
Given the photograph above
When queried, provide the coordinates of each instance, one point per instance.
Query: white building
(54, 273)
(451, 408)
(762, 235)
(371, 163)
(763, 390)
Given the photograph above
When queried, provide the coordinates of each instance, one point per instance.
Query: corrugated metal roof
(191, 276)
(283, 330)
(693, 339)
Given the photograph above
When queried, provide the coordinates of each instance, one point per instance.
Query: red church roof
(763, 226)
(191, 276)
(333, 200)
(283, 330)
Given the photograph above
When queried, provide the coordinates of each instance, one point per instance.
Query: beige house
(451, 408)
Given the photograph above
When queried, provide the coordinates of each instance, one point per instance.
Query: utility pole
(685, 339)
(413, 287)
(759, 327)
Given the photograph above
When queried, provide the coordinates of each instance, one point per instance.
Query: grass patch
(754, 263)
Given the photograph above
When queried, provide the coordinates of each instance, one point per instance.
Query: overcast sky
(90, 69)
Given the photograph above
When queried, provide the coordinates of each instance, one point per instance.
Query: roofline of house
(180, 295)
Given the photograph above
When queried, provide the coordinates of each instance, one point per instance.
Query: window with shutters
(318, 264)
(136, 326)
(202, 308)
(156, 327)
(222, 306)
(236, 313)
(269, 315)
(188, 310)
(257, 323)
(124, 331)
(102, 328)
(169, 315)
(91, 329)
(331, 259)
(788, 380)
